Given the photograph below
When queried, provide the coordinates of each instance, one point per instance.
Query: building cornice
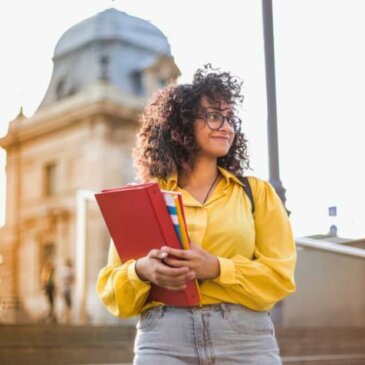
(100, 99)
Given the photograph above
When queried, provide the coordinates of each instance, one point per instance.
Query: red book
(138, 221)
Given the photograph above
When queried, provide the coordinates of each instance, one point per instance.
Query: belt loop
(224, 309)
(161, 311)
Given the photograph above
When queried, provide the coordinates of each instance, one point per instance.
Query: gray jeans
(220, 334)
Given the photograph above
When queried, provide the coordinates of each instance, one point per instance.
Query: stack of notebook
(140, 218)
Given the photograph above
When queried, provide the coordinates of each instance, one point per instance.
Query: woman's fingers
(180, 254)
(179, 278)
(163, 269)
(157, 254)
(177, 263)
(168, 272)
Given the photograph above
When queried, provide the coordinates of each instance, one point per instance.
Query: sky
(320, 78)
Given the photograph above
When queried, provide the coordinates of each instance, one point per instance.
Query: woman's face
(213, 143)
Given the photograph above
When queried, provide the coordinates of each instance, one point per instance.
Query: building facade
(80, 139)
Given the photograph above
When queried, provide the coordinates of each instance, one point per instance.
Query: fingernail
(164, 254)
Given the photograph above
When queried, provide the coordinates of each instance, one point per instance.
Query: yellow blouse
(257, 252)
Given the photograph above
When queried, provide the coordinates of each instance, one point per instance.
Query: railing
(330, 247)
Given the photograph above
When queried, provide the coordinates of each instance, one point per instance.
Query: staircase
(75, 345)
(322, 346)
(61, 345)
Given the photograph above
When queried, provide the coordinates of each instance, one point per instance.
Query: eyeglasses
(215, 121)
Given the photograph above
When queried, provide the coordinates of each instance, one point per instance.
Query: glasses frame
(235, 125)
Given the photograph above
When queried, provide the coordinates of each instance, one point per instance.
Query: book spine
(171, 206)
(184, 235)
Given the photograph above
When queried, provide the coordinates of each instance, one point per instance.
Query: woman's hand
(152, 268)
(204, 264)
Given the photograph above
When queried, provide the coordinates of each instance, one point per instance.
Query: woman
(190, 141)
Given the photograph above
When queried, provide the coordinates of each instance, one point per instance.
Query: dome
(114, 47)
(113, 24)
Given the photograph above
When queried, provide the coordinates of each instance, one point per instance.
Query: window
(137, 79)
(50, 179)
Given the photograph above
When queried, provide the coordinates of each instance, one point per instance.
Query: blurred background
(75, 76)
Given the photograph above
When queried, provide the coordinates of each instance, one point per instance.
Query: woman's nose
(226, 125)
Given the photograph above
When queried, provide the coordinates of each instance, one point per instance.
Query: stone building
(80, 137)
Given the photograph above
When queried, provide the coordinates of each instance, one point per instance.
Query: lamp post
(274, 175)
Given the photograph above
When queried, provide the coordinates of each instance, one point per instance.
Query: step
(63, 336)
(97, 345)
(325, 359)
(60, 345)
(317, 341)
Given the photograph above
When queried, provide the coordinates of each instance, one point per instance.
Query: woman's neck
(204, 172)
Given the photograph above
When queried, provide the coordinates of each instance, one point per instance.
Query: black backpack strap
(248, 191)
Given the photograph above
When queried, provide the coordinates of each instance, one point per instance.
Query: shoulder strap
(248, 191)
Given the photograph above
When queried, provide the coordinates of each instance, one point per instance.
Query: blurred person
(190, 141)
(48, 286)
(65, 283)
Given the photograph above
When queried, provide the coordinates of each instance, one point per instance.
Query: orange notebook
(138, 221)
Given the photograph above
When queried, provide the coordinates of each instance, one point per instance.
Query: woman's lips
(222, 138)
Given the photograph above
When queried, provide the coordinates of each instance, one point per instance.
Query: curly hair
(166, 142)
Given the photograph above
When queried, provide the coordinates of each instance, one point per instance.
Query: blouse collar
(171, 182)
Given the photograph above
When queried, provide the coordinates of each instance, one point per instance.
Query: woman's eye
(213, 117)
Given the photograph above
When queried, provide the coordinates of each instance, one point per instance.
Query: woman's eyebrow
(219, 109)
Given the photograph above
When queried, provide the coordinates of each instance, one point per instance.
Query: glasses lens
(214, 120)
(235, 122)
